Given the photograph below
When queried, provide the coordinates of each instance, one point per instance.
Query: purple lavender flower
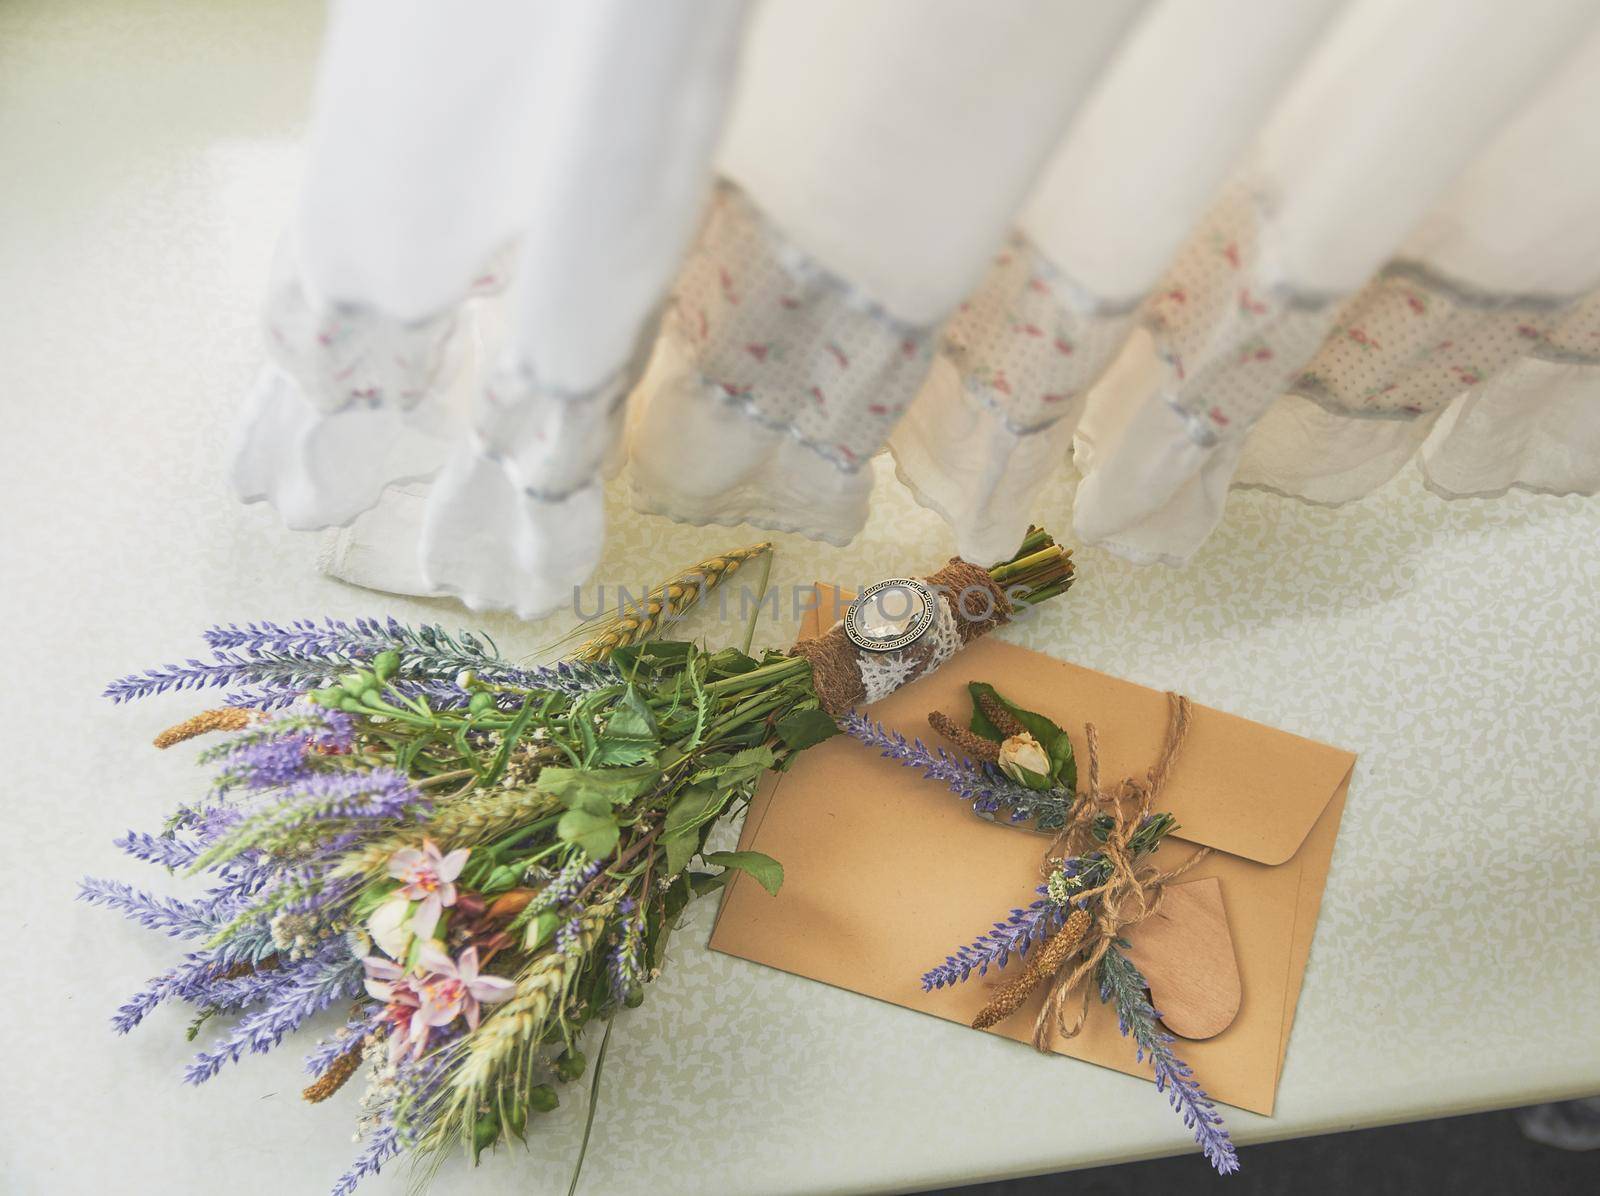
(1018, 934)
(380, 1146)
(192, 980)
(984, 789)
(167, 850)
(179, 919)
(335, 1046)
(267, 763)
(415, 1084)
(569, 882)
(293, 994)
(625, 962)
(1123, 985)
(570, 933)
(371, 793)
(270, 665)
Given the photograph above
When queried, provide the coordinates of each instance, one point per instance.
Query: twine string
(1129, 895)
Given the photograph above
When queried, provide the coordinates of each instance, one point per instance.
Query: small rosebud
(481, 702)
(466, 679)
(1024, 760)
(386, 664)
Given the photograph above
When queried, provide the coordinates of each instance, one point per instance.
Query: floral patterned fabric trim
(1413, 340)
(1235, 336)
(343, 355)
(1232, 334)
(793, 345)
(1030, 341)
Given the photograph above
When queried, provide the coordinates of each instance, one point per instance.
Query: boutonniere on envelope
(1172, 892)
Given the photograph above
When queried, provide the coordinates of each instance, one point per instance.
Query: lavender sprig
(415, 1083)
(567, 884)
(1018, 934)
(337, 1045)
(625, 962)
(191, 980)
(298, 992)
(986, 792)
(167, 850)
(1122, 984)
(270, 665)
(381, 1145)
(314, 801)
(171, 916)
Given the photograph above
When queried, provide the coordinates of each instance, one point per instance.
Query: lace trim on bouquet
(1030, 340)
(884, 672)
(793, 345)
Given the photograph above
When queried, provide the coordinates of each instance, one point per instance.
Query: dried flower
(339, 1072)
(229, 718)
(1024, 760)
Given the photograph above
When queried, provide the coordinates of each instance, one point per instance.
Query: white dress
(738, 250)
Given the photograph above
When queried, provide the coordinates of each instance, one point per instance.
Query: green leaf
(1057, 745)
(767, 872)
(680, 847)
(694, 807)
(738, 768)
(613, 752)
(803, 728)
(730, 662)
(708, 882)
(631, 733)
(632, 718)
(660, 652)
(597, 790)
(593, 834)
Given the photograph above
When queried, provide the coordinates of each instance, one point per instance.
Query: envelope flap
(1237, 786)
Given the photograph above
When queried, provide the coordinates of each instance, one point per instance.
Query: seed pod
(485, 1133)
(386, 664)
(543, 1099)
(571, 1064)
(539, 931)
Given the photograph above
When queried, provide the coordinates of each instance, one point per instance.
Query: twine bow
(1101, 913)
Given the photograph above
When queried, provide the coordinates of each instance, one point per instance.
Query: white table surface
(149, 153)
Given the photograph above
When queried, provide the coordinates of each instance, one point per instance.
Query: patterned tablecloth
(151, 150)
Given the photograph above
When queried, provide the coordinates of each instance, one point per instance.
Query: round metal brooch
(890, 615)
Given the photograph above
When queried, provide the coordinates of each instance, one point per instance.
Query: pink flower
(428, 877)
(387, 982)
(450, 988)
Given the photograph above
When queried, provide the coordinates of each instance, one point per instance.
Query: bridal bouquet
(476, 861)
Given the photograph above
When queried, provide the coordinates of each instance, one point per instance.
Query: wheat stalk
(467, 820)
(496, 1059)
(667, 603)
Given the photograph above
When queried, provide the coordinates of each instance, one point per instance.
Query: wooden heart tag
(1186, 954)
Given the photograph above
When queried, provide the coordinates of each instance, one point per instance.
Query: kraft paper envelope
(885, 873)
